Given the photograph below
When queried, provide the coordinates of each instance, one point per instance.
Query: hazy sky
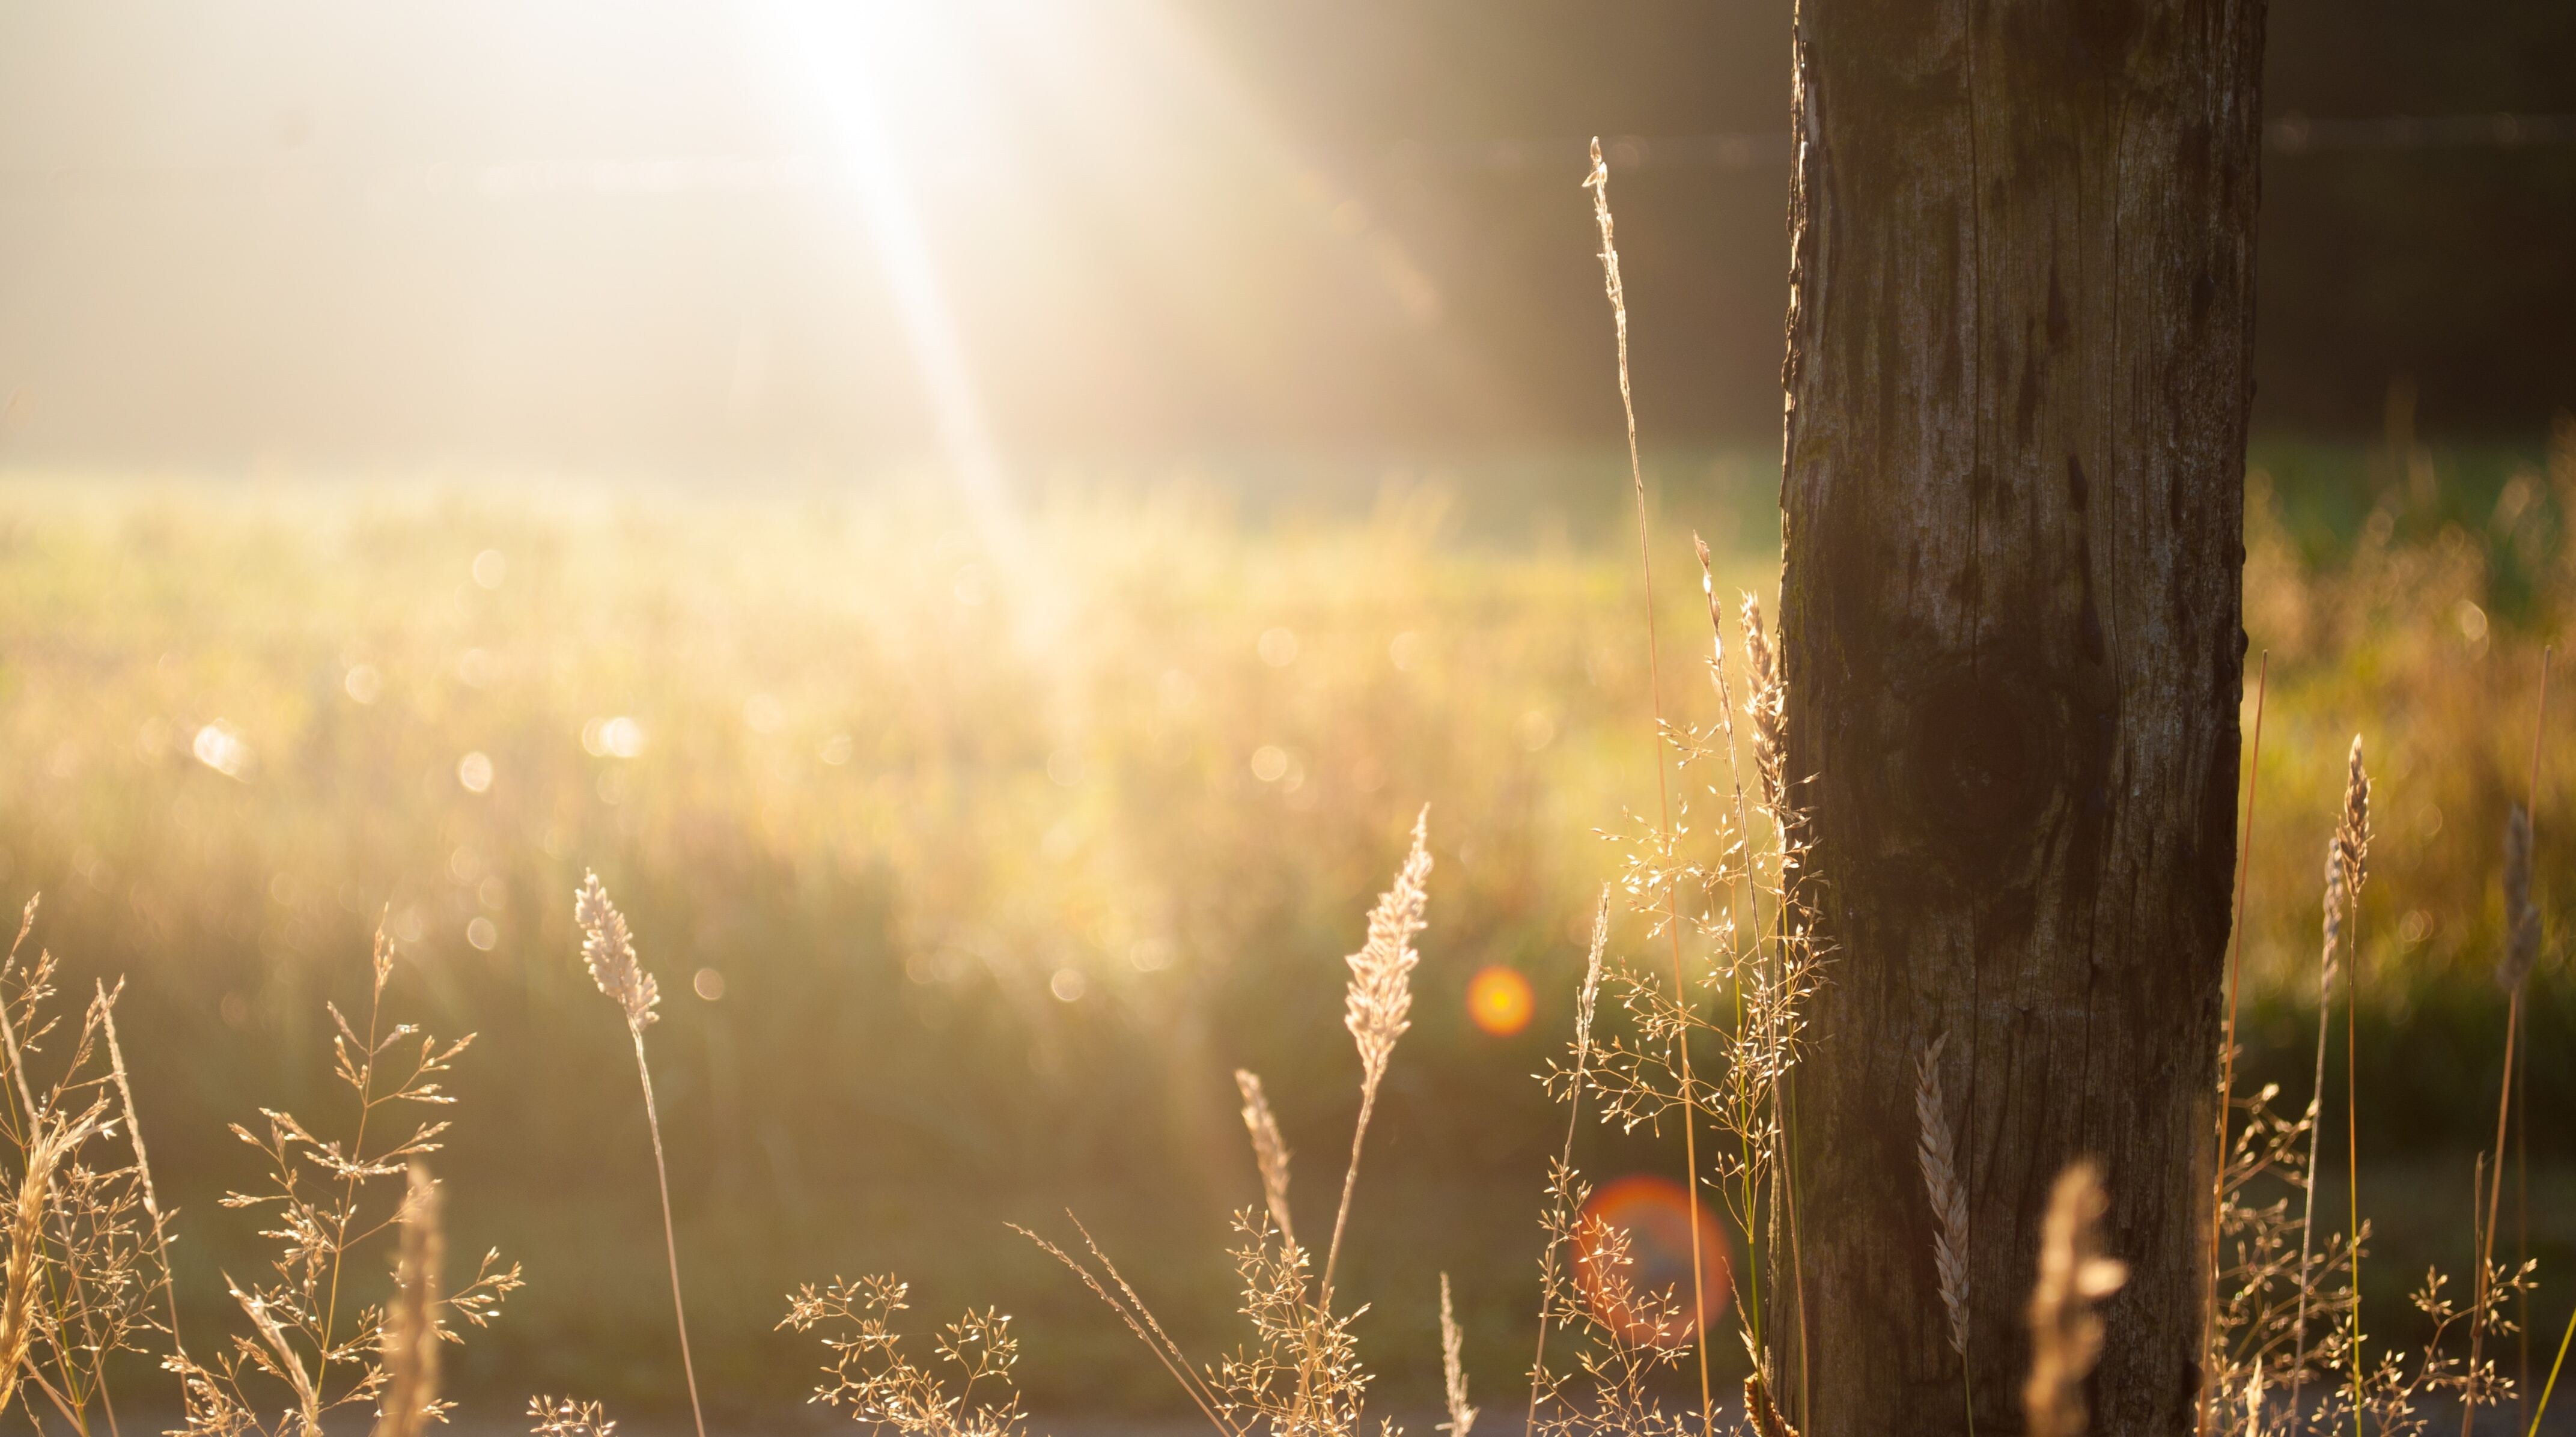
(683, 234)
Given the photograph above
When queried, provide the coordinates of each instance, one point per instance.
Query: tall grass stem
(2227, 1041)
(1599, 183)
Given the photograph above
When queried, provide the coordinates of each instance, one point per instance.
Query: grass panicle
(565, 1417)
(1375, 1007)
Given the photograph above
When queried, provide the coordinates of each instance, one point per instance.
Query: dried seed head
(1591, 993)
(1268, 1149)
(1381, 986)
(2334, 906)
(1937, 1153)
(610, 952)
(1766, 704)
(1453, 1370)
(2521, 915)
(2065, 1335)
(2352, 833)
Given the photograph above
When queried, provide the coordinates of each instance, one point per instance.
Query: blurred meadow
(973, 861)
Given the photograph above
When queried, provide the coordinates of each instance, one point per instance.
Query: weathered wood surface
(2018, 374)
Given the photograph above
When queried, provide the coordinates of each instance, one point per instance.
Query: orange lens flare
(1632, 1255)
(1499, 1000)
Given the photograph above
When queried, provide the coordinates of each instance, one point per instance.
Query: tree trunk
(2020, 334)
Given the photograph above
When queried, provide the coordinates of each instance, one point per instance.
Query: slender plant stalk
(1375, 1008)
(2543, 1409)
(2347, 854)
(2514, 970)
(1599, 183)
(383, 969)
(2308, 1210)
(1585, 998)
(609, 949)
(2227, 1043)
(143, 1167)
(2352, 1147)
(670, 1241)
(2521, 1069)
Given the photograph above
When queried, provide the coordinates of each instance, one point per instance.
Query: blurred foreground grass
(973, 858)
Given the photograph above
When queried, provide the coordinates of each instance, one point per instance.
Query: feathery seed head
(2334, 906)
(1453, 1369)
(1937, 1153)
(1591, 993)
(1269, 1150)
(2352, 833)
(2066, 1335)
(610, 951)
(1766, 704)
(1381, 987)
(2521, 915)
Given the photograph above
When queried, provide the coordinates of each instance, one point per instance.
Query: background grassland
(1001, 850)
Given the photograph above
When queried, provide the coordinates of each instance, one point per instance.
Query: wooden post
(2019, 365)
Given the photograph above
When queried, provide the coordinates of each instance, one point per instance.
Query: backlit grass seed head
(1766, 704)
(2521, 915)
(564, 1417)
(1937, 1152)
(2065, 1335)
(610, 951)
(2347, 855)
(1268, 1149)
(1381, 987)
(1453, 1369)
(2352, 833)
(410, 1335)
(1591, 993)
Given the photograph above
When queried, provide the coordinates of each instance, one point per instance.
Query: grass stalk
(609, 949)
(670, 1239)
(2542, 1409)
(2227, 1041)
(1599, 183)
(1585, 998)
(2522, 948)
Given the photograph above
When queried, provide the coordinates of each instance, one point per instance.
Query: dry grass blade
(1269, 1150)
(1375, 1005)
(1131, 1310)
(1453, 1370)
(2065, 1334)
(411, 1334)
(142, 1162)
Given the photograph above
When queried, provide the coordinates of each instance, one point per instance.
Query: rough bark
(2020, 336)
